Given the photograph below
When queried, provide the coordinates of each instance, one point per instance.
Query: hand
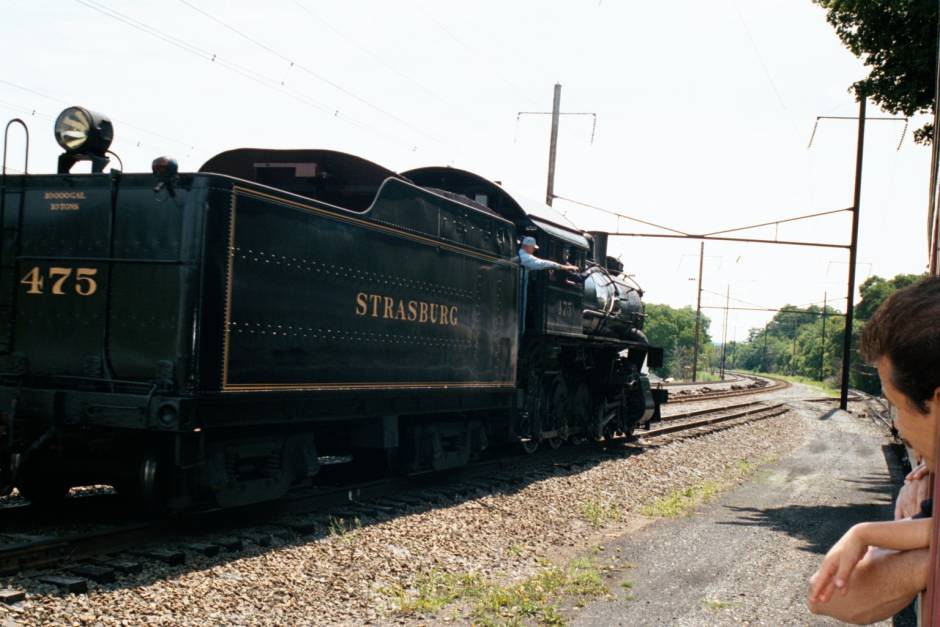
(918, 473)
(570, 268)
(916, 488)
(837, 566)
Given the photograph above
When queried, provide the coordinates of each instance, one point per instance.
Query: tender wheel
(145, 492)
(42, 490)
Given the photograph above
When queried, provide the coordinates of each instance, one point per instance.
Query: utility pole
(724, 333)
(793, 355)
(734, 347)
(556, 114)
(853, 253)
(763, 360)
(822, 348)
(553, 146)
(698, 312)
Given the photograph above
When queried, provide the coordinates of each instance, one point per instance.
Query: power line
(467, 47)
(763, 64)
(233, 67)
(306, 70)
(377, 57)
(64, 103)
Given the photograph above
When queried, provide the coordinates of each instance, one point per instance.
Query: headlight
(78, 129)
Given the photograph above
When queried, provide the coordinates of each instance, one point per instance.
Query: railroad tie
(9, 596)
(204, 548)
(304, 527)
(168, 557)
(230, 544)
(261, 539)
(98, 574)
(72, 585)
(125, 567)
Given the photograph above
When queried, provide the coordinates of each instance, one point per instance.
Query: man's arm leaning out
(882, 584)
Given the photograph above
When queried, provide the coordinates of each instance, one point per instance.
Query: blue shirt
(531, 262)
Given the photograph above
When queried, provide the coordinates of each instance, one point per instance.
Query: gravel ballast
(360, 575)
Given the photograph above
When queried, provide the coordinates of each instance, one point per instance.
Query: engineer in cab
(530, 262)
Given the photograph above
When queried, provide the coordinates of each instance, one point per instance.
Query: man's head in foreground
(903, 340)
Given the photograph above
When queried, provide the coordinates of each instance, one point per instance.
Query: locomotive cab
(582, 350)
(554, 297)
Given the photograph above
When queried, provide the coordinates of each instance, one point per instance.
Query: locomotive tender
(210, 337)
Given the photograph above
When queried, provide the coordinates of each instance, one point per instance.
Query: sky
(704, 112)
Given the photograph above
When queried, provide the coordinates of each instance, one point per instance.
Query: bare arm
(883, 584)
(842, 558)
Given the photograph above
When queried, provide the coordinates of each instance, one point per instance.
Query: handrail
(6, 132)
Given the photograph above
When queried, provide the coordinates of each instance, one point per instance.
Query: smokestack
(599, 254)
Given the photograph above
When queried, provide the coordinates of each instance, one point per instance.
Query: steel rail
(753, 415)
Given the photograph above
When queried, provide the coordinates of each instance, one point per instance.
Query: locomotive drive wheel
(556, 410)
(526, 429)
(581, 412)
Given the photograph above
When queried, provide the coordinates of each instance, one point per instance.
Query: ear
(933, 405)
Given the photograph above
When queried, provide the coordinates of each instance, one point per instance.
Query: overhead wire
(191, 148)
(475, 51)
(370, 53)
(242, 71)
(763, 65)
(306, 70)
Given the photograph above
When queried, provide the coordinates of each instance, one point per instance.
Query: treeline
(674, 330)
(804, 341)
(808, 341)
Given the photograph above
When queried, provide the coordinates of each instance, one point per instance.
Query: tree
(875, 289)
(674, 329)
(897, 39)
(793, 341)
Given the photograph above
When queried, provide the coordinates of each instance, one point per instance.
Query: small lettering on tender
(60, 196)
(64, 196)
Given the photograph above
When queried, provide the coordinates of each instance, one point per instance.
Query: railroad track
(776, 384)
(105, 554)
(685, 422)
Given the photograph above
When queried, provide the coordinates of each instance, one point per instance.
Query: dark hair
(906, 330)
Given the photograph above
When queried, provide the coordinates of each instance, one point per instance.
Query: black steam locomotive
(212, 337)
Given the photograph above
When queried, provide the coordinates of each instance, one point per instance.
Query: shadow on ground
(820, 526)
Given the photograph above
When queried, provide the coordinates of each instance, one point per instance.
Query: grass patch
(599, 514)
(517, 550)
(825, 387)
(435, 590)
(534, 599)
(703, 376)
(680, 502)
(716, 605)
(341, 526)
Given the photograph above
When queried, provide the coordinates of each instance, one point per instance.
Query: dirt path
(746, 557)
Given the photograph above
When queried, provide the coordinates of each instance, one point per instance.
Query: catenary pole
(553, 146)
(698, 312)
(822, 347)
(724, 333)
(853, 254)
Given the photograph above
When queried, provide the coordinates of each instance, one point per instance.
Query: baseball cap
(529, 241)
